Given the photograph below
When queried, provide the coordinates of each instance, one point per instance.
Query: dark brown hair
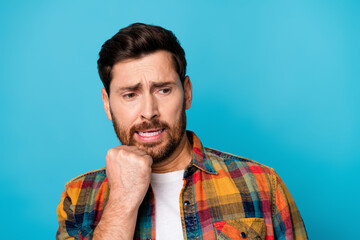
(135, 41)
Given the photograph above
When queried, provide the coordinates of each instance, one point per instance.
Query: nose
(149, 107)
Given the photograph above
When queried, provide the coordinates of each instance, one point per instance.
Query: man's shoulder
(89, 178)
(216, 156)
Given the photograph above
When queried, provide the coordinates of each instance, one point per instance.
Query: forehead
(154, 67)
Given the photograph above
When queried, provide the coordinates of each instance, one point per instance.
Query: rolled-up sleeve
(69, 227)
(287, 220)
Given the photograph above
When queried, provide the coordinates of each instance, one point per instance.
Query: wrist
(123, 204)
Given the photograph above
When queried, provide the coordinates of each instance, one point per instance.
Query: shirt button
(186, 203)
(243, 235)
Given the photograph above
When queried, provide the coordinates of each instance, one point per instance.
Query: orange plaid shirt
(223, 197)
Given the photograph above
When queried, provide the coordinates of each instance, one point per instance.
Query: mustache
(156, 123)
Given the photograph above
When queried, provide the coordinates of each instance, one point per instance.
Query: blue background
(275, 81)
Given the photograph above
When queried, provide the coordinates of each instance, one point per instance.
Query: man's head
(135, 41)
(146, 91)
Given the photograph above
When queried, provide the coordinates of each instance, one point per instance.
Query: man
(161, 182)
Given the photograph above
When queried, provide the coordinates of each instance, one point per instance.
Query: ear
(187, 92)
(106, 102)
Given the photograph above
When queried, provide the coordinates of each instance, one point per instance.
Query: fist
(128, 170)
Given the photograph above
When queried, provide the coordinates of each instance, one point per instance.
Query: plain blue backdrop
(276, 81)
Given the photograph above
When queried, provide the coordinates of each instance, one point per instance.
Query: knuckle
(146, 160)
(110, 153)
(113, 154)
(123, 153)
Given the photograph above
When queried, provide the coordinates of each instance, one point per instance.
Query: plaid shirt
(223, 197)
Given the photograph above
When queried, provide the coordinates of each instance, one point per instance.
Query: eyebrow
(130, 88)
(160, 84)
(139, 85)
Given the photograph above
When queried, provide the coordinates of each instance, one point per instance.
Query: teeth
(149, 134)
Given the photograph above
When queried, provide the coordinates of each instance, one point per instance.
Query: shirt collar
(199, 157)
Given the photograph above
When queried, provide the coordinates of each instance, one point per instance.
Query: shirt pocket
(244, 228)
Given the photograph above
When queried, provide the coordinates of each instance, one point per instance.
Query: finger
(135, 149)
(140, 152)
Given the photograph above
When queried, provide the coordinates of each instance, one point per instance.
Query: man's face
(147, 104)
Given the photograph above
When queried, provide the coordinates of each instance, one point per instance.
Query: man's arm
(287, 220)
(69, 226)
(128, 171)
(117, 222)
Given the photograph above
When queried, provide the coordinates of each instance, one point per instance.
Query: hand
(128, 170)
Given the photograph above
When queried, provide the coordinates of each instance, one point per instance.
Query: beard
(159, 150)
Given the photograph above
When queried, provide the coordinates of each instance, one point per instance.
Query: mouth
(150, 134)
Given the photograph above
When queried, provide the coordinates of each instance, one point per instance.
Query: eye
(129, 95)
(164, 91)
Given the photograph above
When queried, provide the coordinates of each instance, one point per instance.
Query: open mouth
(150, 134)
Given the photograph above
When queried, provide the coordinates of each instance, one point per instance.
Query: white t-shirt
(167, 188)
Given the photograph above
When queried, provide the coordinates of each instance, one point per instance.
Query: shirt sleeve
(69, 227)
(287, 220)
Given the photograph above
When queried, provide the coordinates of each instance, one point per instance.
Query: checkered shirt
(223, 197)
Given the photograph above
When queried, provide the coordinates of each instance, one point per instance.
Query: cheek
(125, 115)
(171, 110)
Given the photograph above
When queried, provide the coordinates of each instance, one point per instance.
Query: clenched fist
(128, 170)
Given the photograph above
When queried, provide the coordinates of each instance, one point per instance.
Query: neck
(178, 160)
